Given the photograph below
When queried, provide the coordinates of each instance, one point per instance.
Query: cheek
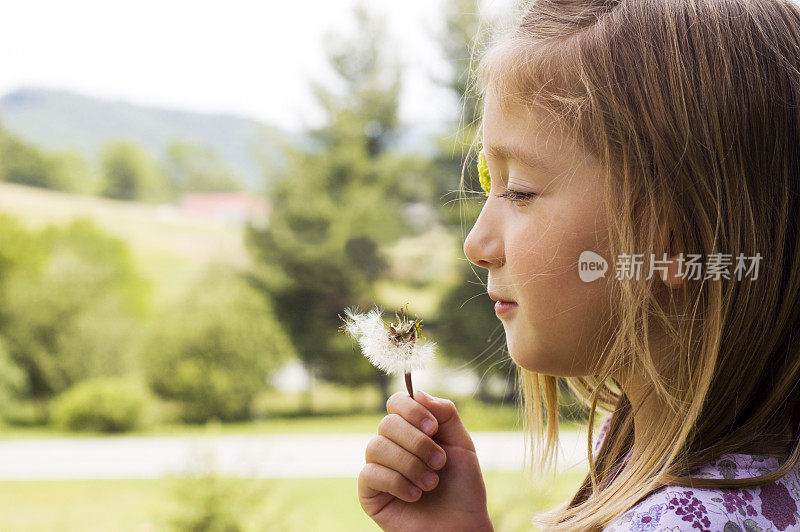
(548, 282)
(563, 317)
(568, 227)
(543, 256)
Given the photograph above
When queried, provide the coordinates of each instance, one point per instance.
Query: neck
(648, 409)
(648, 414)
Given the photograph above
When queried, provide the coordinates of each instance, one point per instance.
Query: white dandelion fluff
(397, 349)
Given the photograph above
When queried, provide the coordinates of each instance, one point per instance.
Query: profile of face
(532, 247)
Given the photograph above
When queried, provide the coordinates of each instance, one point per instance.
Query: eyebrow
(516, 153)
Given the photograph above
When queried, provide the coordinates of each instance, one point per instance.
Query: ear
(673, 248)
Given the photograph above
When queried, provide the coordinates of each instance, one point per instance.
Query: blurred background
(190, 195)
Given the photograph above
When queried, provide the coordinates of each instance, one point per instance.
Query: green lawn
(284, 416)
(286, 505)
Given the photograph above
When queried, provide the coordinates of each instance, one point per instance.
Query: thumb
(451, 430)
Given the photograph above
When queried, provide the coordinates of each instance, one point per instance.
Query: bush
(214, 352)
(107, 404)
(27, 413)
(208, 501)
(12, 382)
(71, 301)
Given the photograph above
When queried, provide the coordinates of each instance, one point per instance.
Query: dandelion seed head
(376, 344)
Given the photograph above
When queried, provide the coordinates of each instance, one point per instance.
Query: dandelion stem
(409, 386)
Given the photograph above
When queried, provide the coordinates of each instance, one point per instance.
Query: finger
(451, 429)
(411, 439)
(413, 412)
(375, 478)
(384, 451)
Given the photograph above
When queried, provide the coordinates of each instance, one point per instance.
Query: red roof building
(232, 207)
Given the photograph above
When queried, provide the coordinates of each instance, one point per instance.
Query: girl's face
(532, 247)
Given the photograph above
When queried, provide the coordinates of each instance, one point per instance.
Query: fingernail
(414, 492)
(437, 459)
(429, 479)
(428, 426)
(427, 395)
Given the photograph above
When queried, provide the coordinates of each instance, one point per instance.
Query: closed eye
(517, 196)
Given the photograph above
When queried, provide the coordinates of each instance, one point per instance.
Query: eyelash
(516, 196)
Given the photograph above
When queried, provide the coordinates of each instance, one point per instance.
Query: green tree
(23, 163)
(130, 174)
(461, 42)
(71, 173)
(197, 168)
(71, 302)
(214, 351)
(466, 328)
(334, 208)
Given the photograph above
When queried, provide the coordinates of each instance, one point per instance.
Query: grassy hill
(171, 246)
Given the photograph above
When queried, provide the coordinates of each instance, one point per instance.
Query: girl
(643, 156)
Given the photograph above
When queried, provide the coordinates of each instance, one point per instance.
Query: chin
(527, 357)
(539, 361)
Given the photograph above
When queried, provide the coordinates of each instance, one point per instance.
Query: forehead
(516, 133)
(526, 134)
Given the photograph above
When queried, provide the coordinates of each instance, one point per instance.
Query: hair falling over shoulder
(693, 106)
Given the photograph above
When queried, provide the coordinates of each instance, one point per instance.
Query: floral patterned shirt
(770, 507)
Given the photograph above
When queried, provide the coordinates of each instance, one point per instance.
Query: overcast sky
(248, 58)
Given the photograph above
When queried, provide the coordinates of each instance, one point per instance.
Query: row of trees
(81, 340)
(123, 170)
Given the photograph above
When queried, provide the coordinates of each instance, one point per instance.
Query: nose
(483, 246)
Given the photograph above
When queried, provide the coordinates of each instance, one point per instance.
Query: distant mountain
(59, 119)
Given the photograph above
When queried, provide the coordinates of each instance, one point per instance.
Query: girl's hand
(399, 457)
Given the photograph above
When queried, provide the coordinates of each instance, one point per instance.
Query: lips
(502, 305)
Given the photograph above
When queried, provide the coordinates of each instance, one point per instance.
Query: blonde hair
(693, 108)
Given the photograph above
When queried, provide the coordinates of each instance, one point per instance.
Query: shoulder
(601, 434)
(773, 506)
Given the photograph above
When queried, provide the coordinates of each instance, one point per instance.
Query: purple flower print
(691, 509)
(777, 505)
(647, 521)
(774, 507)
(735, 500)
